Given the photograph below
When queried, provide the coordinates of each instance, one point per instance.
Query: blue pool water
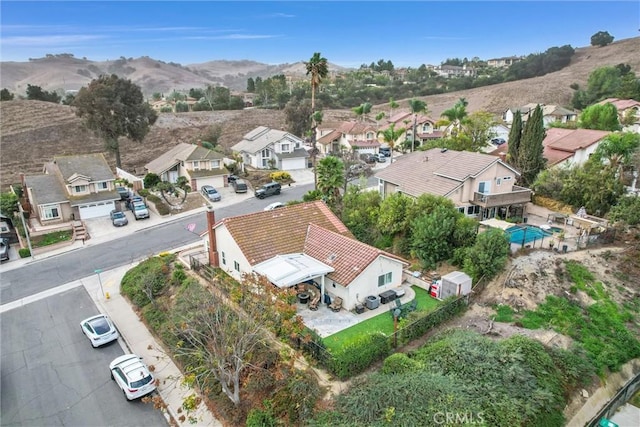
(526, 233)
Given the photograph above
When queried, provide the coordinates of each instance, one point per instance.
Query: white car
(99, 329)
(274, 205)
(132, 376)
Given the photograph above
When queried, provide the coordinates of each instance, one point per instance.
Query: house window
(369, 136)
(484, 187)
(498, 181)
(266, 153)
(224, 258)
(236, 265)
(215, 164)
(102, 186)
(461, 210)
(196, 165)
(284, 148)
(470, 210)
(50, 212)
(384, 279)
(506, 178)
(80, 188)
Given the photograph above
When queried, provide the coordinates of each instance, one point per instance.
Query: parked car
(210, 193)
(131, 200)
(381, 158)
(123, 192)
(99, 329)
(368, 158)
(498, 141)
(4, 249)
(274, 205)
(385, 150)
(358, 169)
(239, 186)
(118, 218)
(132, 375)
(232, 178)
(269, 189)
(140, 210)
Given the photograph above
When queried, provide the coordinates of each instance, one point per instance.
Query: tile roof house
(266, 148)
(626, 108)
(425, 127)
(71, 187)
(301, 243)
(201, 166)
(480, 185)
(351, 136)
(550, 114)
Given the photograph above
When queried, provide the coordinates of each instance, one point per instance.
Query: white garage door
(95, 210)
(214, 181)
(293, 164)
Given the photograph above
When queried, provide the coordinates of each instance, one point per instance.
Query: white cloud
(48, 40)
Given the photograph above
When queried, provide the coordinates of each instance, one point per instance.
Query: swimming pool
(523, 234)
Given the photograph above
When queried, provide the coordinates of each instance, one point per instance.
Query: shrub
(147, 280)
(400, 363)
(24, 252)
(280, 176)
(359, 354)
(160, 205)
(151, 180)
(178, 276)
(143, 192)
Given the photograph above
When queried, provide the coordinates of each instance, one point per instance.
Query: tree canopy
(113, 107)
(601, 38)
(600, 117)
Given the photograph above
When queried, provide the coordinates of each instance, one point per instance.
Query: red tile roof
(349, 257)
(621, 104)
(265, 234)
(561, 144)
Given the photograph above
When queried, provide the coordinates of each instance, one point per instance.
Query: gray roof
(297, 153)
(103, 196)
(93, 166)
(46, 189)
(201, 153)
(435, 171)
(262, 137)
(169, 159)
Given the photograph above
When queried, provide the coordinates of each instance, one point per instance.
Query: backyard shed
(455, 283)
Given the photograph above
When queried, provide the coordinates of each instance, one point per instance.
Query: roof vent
(444, 150)
(332, 257)
(426, 159)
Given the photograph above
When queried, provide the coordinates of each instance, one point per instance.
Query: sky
(349, 34)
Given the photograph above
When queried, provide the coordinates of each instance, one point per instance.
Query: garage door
(95, 210)
(293, 164)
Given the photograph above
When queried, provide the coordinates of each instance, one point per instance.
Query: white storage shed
(455, 283)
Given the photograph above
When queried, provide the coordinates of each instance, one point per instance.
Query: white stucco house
(266, 148)
(550, 114)
(302, 243)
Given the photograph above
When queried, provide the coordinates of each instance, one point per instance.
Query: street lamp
(98, 271)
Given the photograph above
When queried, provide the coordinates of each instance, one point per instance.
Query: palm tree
(318, 69)
(392, 106)
(417, 106)
(362, 110)
(456, 114)
(390, 135)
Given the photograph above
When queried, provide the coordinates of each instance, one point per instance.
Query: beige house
(550, 114)
(201, 166)
(627, 108)
(302, 243)
(71, 188)
(266, 148)
(354, 137)
(480, 185)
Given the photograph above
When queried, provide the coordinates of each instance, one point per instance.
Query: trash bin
(564, 249)
(525, 219)
(303, 297)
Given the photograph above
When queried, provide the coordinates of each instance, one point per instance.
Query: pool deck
(570, 233)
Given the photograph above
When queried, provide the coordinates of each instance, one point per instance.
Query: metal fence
(621, 397)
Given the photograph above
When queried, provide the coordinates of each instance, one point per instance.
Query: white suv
(132, 376)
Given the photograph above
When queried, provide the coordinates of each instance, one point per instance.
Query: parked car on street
(239, 186)
(99, 329)
(140, 210)
(210, 193)
(274, 205)
(269, 189)
(118, 218)
(132, 375)
(368, 157)
(498, 141)
(4, 249)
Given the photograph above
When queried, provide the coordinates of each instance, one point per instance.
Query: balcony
(517, 195)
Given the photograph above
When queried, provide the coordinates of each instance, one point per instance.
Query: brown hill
(33, 132)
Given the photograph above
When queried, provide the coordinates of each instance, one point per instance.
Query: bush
(151, 180)
(143, 192)
(280, 176)
(24, 252)
(400, 363)
(359, 354)
(147, 280)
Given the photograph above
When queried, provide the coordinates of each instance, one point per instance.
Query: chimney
(213, 245)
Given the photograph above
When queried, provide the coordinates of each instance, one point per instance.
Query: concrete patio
(326, 322)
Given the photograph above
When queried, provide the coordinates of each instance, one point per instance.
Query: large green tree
(531, 160)
(36, 93)
(432, 236)
(515, 137)
(477, 126)
(390, 135)
(113, 107)
(5, 95)
(600, 117)
(330, 181)
(360, 211)
(601, 38)
(488, 256)
(298, 116)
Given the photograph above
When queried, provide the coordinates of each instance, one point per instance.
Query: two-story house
(424, 125)
(266, 148)
(302, 243)
(550, 114)
(199, 165)
(71, 187)
(351, 136)
(628, 113)
(480, 185)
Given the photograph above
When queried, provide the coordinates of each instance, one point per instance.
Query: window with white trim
(102, 186)
(196, 165)
(224, 258)
(79, 188)
(215, 164)
(236, 265)
(384, 279)
(284, 148)
(50, 212)
(498, 181)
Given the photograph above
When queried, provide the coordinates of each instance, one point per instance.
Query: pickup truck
(140, 210)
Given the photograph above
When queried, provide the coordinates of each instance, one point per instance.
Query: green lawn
(51, 238)
(381, 323)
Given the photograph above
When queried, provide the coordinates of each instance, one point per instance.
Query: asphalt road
(52, 376)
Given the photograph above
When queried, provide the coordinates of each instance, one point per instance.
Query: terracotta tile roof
(560, 144)
(364, 144)
(621, 104)
(329, 138)
(262, 235)
(355, 128)
(435, 171)
(349, 257)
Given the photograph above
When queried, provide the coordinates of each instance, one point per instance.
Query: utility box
(372, 302)
(456, 284)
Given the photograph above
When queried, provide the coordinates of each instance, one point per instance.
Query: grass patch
(51, 238)
(383, 323)
(585, 281)
(504, 313)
